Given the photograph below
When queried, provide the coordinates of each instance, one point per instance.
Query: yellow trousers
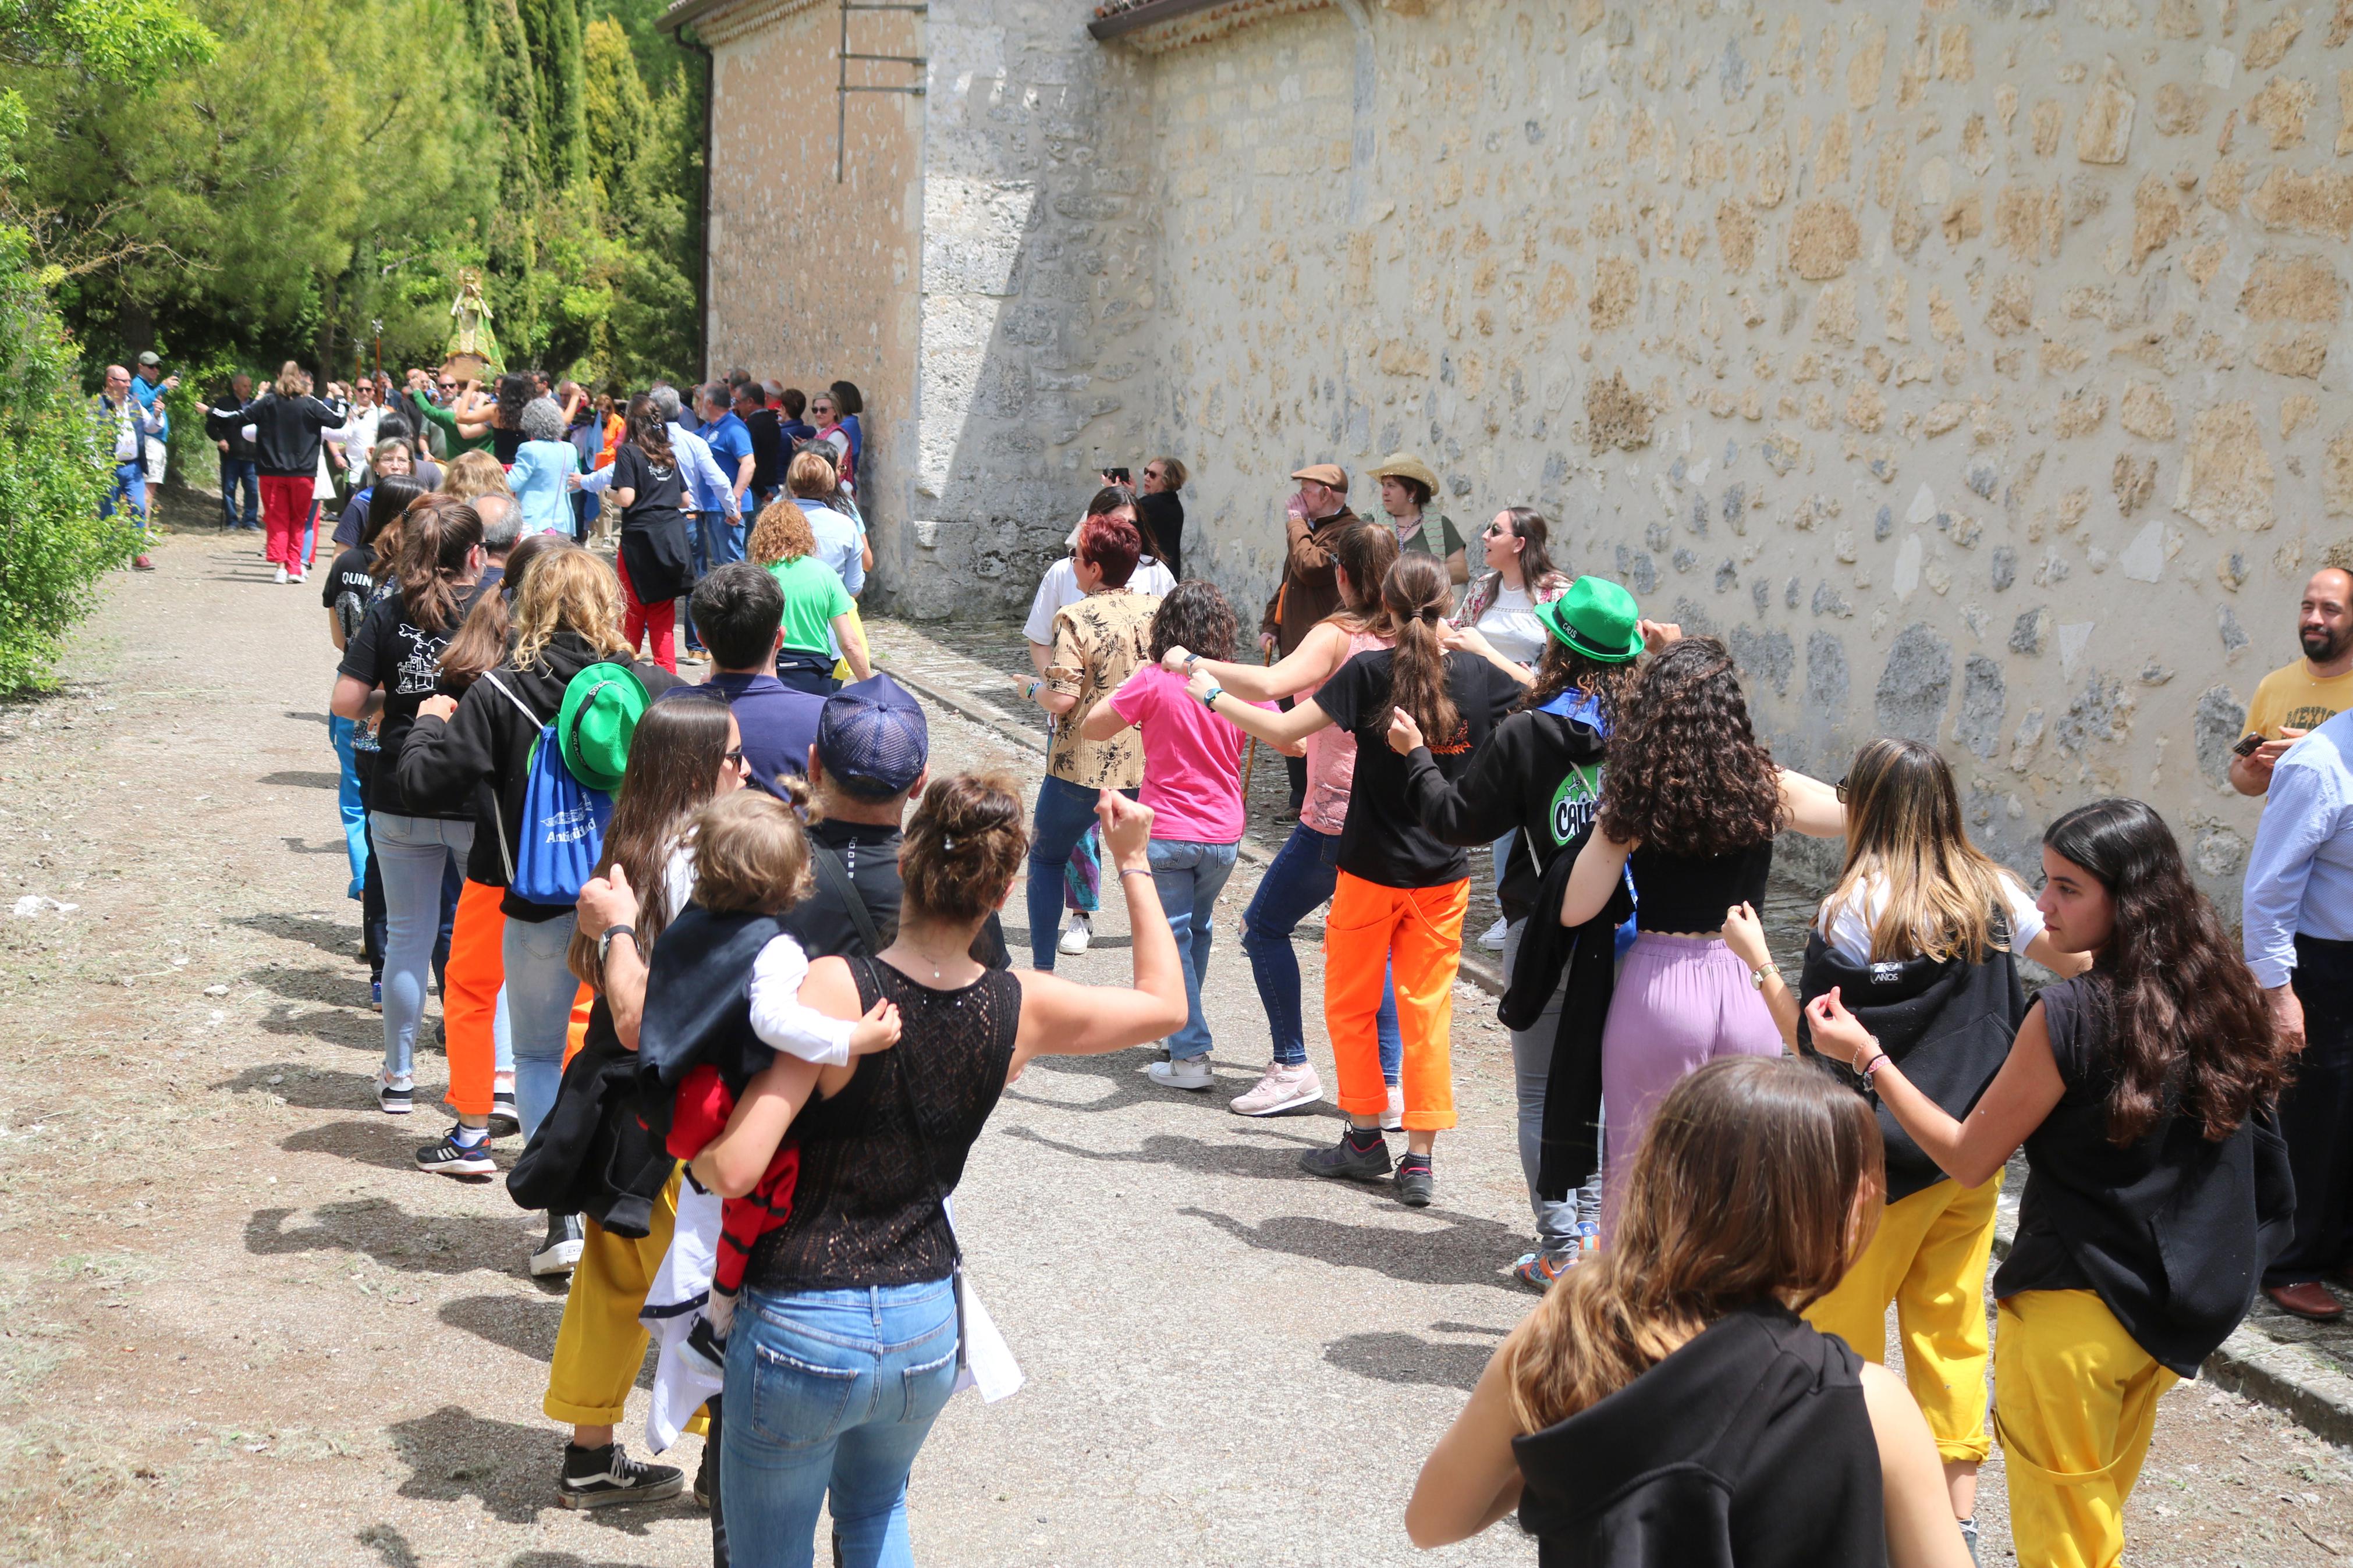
(1928, 1258)
(2076, 1402)
(601, 1347)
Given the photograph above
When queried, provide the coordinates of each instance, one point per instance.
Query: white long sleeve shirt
(2300, 872)
(777, 1016)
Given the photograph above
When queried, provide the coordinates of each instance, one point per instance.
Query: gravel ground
(236, 1321)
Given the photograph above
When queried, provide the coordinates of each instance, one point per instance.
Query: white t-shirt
(1511, 625)
(1060, 586)
(1849, 929)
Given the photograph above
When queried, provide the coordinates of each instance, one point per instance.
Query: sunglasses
(1840, 788)
(734, 759)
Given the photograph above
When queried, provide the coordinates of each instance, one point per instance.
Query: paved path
(238, 1323)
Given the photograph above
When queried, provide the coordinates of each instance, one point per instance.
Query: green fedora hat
(602, 705)
(1597, 618)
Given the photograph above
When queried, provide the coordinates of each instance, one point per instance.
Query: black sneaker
(1349, 1160)
(560, 1252)
(1415, 1185)
(607, 1477)
(705, 1349)
(394, 1097)
(504, 1122)
(451, 1158)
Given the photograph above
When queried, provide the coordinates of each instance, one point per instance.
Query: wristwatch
(605, 942)
(1756, 977)
(1209, 697)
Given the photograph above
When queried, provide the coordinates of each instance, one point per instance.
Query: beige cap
(1406, 465)
(1331, 474)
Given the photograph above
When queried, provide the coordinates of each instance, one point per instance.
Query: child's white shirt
(777, 1016)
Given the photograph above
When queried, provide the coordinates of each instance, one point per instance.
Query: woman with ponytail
(655, 561)
(1666, 1404)
(1400, 892)
(390, 667)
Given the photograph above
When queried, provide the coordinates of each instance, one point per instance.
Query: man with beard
(2298, 698)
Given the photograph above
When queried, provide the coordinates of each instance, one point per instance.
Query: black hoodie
(285, 432)
(488, 740)
(1538, 772)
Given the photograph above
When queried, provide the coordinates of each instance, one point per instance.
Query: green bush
(54, 547)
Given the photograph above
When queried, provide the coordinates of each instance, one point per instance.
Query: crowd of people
(726, 956)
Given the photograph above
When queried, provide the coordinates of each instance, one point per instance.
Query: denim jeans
(1531, 1071)
(236, 474)
(1300, 881)
(1189, 876)
(128, 487)
(1065, 812)
(348, 796)
(540, 989)
(829, 1396)
(417, 854)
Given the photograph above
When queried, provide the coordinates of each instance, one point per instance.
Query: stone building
(1975, 371)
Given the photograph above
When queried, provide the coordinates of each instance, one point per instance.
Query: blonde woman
(475, 473)
(287, 425)
(821, 621)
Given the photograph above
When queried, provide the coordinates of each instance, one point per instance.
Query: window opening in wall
(847, 87)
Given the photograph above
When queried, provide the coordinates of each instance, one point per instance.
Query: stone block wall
(1976, 371)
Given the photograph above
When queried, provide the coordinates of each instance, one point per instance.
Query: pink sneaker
(1283, 1088)
(1393, 1118)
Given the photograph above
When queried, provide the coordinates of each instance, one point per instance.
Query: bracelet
(1878, 1060)
(1135, 871)
(1209, 697)
(1030, 693)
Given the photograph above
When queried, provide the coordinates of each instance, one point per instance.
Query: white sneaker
(1184, 1072)
(1393, 1118)
(1493, 941)
(295, 576)
(1283, 1088)
(1076, 935)
(281, 577)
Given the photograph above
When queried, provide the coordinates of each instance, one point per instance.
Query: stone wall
(1975, 371)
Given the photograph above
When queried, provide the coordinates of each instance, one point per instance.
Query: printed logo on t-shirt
(1886, 973)
(2311, 716)
(422, 667)
(1574, 803)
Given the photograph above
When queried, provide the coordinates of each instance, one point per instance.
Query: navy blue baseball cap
(873, 738)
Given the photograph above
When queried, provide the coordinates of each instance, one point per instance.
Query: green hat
(1597, 618)
(602, 706)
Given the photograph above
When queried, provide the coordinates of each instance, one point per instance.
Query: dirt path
(236, 1322)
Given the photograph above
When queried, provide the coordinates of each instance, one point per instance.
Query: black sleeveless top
(1690, 892)
(878, 1157)
(1750, 1445)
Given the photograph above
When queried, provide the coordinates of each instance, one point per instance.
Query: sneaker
(1076, 935)
(375, 995)
(705, 1349)
(602, 1478)
(504, 1122)
(295, 576)
(700, 1490)
(1493, 941)
(560, 1253)
(1539, 1269)
(452, 1156)
(1415, 1185)
(1349, 1160)
(1970, 1538)
(142, 564)
(1283, 1088)
(394, 1096)
(280, 578)
(1183, 1072)
(1393, 1114)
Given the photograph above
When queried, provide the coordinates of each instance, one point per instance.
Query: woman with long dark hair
(2144, 1092)
(1399, 895)
(1306, 869)
(1538, 780)
(1690, 802)
(656, 561)
(389, 668)
(1665, 1404)
(1192, 781)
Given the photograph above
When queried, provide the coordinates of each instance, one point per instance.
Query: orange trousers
(1414, 937)
(470, 1002)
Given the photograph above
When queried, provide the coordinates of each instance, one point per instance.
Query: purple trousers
(1680, 1003)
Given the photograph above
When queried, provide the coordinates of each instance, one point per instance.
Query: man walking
(2298, 698)
(128, 426)
(239, 469)
(731, 448)
(1308, 591)
(2297, 918)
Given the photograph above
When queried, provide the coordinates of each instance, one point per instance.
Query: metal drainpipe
(702, 274)
(1360, 146)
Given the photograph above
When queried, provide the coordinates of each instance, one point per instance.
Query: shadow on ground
(391, 1237)
(1465, 1250)
(511, 1469)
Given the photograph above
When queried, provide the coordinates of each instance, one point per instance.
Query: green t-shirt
(446, 420)
(812, 597)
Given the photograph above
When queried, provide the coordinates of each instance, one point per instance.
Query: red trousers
(285, 508)
(469, 998)
(637, 620)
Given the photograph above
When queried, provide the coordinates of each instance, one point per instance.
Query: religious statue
(471, 339)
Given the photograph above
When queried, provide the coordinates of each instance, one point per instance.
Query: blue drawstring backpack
(562, 822)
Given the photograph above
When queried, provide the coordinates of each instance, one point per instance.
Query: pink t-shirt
(1192, 759)
(1332, 759)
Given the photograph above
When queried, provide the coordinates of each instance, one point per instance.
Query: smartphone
(2248, 745)
(1117, 476)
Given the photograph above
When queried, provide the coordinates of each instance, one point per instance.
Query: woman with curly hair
(1690, 801)
(1399, 899)
(1192, 781)
(2145, 1092)
(821, 622)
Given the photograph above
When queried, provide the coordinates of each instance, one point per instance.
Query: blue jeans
(348, 796)
(417, 855)
(1531, 1071)
(240, 473)
(128, 488)
(1065, 812)
(829, 1396)
(539, 995)
(1304, 872)
(1189, 876)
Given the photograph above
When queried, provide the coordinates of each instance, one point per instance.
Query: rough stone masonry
(1974, 369)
